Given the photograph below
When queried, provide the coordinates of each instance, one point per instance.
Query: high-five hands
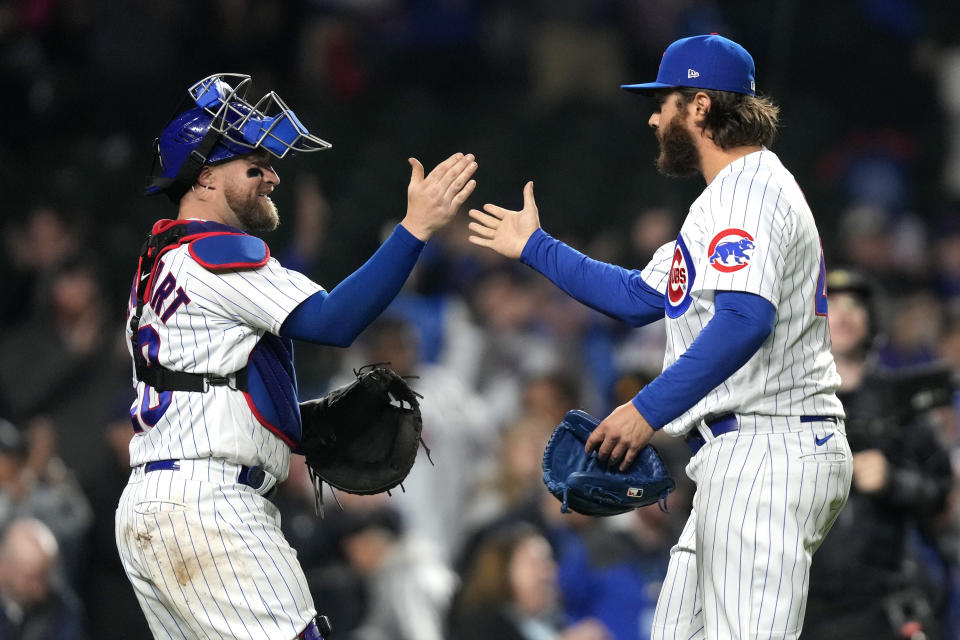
(433, 201)
(503, 230)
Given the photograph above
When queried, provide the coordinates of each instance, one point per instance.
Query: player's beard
(255, 213)
(679, 156)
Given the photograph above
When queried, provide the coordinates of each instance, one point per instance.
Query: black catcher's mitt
(589, 486)
(362, 437)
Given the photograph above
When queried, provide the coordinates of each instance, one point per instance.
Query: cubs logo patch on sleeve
(730, 250)
(680, 282)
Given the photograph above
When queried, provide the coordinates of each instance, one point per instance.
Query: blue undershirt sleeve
(604, 287)
(740, 325)
(338, 317)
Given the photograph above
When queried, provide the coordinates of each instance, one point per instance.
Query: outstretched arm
(610, 289)
(338, 317)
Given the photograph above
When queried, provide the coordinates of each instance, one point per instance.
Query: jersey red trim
(266, 423)
(148, 293)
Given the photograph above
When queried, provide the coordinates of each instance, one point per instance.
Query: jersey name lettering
(163, 292)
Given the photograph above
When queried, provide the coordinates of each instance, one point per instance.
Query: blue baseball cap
(703, 62)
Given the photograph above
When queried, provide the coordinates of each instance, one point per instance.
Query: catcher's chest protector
(268, 381)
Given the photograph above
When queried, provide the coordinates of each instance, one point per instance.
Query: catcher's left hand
(587, 485)
(433, 200)
(363, 437)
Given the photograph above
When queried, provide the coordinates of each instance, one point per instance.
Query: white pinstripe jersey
(209, 322)
(751, 230)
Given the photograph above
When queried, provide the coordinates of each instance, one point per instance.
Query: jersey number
(821, 296)
(149, 414)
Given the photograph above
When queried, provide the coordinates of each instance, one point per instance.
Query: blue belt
(253, 477)
(728, 422)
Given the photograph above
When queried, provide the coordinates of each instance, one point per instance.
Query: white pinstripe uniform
(768, 492)
(204, 552)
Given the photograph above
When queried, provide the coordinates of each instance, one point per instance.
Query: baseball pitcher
(748, 379)
(210, 323)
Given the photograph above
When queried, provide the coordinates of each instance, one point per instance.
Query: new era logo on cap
(634, 492)
(703, 62)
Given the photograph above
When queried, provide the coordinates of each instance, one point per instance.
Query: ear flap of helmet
(155, 176)
(188, 172)
(157, 182)
(166, 169)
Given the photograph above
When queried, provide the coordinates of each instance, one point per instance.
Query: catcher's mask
(221, 126)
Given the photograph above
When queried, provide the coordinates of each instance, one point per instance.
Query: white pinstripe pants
(206, 556)
(766, 497)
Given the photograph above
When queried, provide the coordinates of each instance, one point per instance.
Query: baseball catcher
(212, 319)
(593, 488)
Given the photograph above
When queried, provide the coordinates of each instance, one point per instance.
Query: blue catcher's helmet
(222, 126)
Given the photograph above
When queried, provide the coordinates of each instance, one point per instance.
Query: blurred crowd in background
(475, 547)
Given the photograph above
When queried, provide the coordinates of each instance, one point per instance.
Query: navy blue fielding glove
(588, 486)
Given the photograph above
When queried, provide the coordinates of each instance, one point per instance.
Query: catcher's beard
(679, 156)
(255, 213)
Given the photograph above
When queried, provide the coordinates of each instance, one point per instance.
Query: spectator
(39, 246)
(510, 592)
(48, 493)
(35, 606)
(65, 364)
(506, 303)
(867, 581)
(409, 590)
(550, 396)
(513, 489)
(915, 324)
(614, 574)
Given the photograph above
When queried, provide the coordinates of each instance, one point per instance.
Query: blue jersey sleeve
(607, 288)
(338, 317)
(741, 324)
